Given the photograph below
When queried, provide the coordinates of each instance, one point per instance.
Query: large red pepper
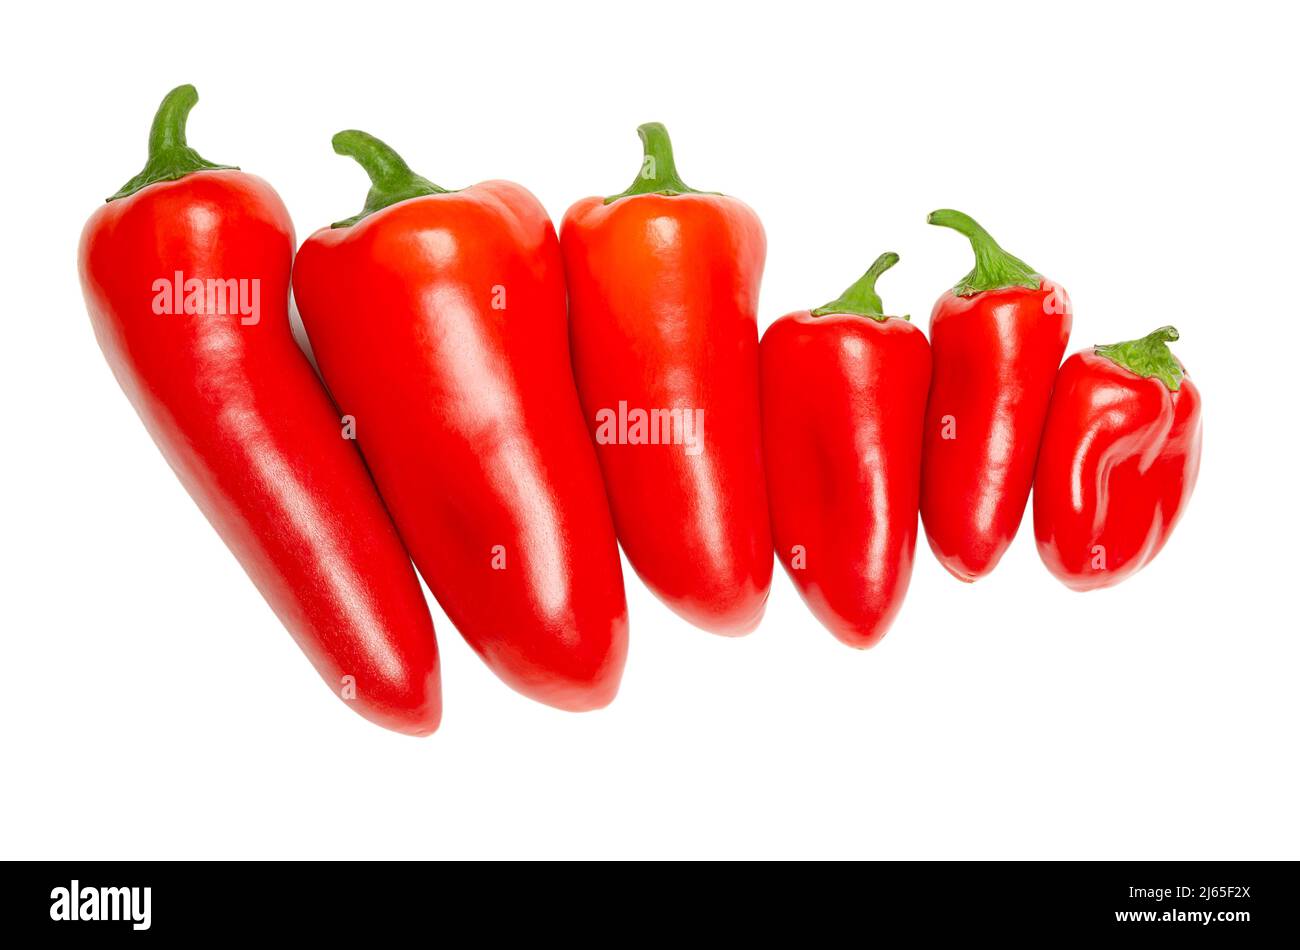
(437, 318)
(997, 339)
(186, 277)
(663, 293)
(1118, 462)
(844, 390)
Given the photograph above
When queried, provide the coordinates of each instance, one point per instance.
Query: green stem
(169, 157)
(658, 175)
(862, 298)
(391, 179)
(1147, 357)
(994, 267)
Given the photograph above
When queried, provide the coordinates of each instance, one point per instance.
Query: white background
(1143, 156)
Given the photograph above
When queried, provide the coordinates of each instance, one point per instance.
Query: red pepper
(663, 293)
(1119, 459)
(437, 319)
(186, 277)
(997, 339)
(844, 390)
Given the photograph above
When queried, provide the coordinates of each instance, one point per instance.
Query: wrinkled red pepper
(438, 320)
(843, 397)
(1118, 462)
(997, 339)
(663, 296)
(167, 267)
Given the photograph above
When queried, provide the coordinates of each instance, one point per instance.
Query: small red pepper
(1118, 462)
(167, 267)
(437, 318)
(663, 297)
(844, 390)
(997, 339)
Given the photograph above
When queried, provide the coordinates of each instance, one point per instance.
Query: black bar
(1225, 901)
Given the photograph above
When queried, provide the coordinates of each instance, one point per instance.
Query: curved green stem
(1147, 357)
(994, 267)
(169, 157)
(658, 175)
(391, 179)
(862, 298)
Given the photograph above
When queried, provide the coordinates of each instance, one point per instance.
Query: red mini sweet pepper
(438, 320)
(843, 398)
(663, 296)
(997, 340)
(1118, 461)
(186, 276)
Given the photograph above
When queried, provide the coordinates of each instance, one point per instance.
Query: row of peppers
(473, 351)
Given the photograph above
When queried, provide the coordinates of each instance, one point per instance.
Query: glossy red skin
(469, 420)
(1118, 462)
(995, 358)
(843, 400)
(244, 422)
(663, 295)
